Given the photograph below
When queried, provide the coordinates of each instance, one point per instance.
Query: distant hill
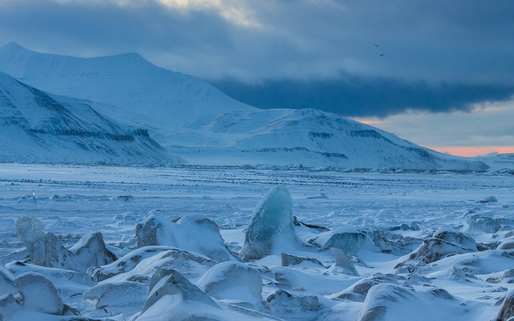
(35, 127)
(194, 120)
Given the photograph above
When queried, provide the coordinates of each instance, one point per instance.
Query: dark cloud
(353, 96)
(439, 55)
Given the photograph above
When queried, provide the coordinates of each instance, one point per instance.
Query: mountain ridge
(193, 120)
(38, 128)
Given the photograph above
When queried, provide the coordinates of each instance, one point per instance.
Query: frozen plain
(72, 201)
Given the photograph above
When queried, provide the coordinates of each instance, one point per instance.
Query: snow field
(398, 246)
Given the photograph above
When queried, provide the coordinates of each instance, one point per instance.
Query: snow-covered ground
(424, 246)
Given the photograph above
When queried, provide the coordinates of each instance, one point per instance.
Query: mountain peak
(14, 48)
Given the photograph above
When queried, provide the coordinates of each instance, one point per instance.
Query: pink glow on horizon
(474, 151)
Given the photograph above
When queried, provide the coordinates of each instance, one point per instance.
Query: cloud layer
(351, 57)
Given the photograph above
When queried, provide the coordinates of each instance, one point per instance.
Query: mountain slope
(194, 120)
(38, 128)
(312, 138)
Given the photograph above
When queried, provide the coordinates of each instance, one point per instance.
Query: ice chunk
(271, 228)
(199, 235)
(488, 199)
(483, 223)
(39, 293)
(174, 284)
(343, 264)
(350, 240)
(57, 256)
(458, 238)
(6, 281)
(91, 250)
(233, 281)
(30, 231)
(443, 244)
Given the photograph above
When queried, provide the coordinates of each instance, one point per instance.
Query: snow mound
(126, 263)
(349, 241)
(199, 235)
(271, 228)
(192, 265)
(441, 245)
(173, 297)
(118, 295)
(233, 281)
(389, 302)
(91, 250)
(39, 294)
(357, 292)
(292, 305)
(6, 281)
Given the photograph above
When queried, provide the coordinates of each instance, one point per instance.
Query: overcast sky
(425, 70)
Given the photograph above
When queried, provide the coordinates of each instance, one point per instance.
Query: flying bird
(382, 54)
(376, 45)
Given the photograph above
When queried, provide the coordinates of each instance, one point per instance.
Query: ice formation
(125, 263)
(343, 263)
(350, 240)
(6, 281)
(39, 294)
(191, 265)
(30, 232)
(271, 227)
(441, 245)
(233, 281)
(174, 284)
(194, 234)
(507, 309)
(483, 223)
(91, 250)
(292, 305)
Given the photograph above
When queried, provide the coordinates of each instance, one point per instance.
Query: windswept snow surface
(398, 279)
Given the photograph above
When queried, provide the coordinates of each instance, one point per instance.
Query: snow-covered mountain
(36, 127)
(195, 121)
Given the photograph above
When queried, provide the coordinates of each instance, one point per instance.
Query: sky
(435, 72)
